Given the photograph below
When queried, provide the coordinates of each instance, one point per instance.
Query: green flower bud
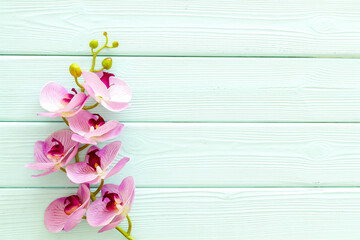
(115, 44)
(107, 63)
(94, 43)
(75, 70)
(105, 33)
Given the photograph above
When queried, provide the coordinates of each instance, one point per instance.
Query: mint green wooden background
(244, 122)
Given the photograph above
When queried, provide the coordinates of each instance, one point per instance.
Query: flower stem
(92, 196)
(77, 157)
(96, 53)
(91, 107)
(99, 188)
(129, 224)
(65, 121)
(124, 233)
(99, 70)
(63, 169)
(83, 147)
(79, 85)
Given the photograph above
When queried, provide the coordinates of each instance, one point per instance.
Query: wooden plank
(255, 214)
(206, 155)
(195, 28)
(200, 89)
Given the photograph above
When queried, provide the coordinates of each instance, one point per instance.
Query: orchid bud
(94, 43)
(105, 33)
(115, 44)
(107, 63)
(75, 70)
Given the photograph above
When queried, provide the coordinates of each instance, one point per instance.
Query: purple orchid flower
(96, 165)
(66, 212)
(113, 93)
(53, 153)
(59, 102)
(110, 210)
(91, 128)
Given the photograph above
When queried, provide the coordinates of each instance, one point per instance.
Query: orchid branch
(83, 147)
(65, 121)
(99, 188)
(96, 53)
(129, 224)
(91, 107)
(124, 233)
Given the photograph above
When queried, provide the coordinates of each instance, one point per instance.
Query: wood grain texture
(200, 89)
(206, 155)
(172, 27)
(204, 214)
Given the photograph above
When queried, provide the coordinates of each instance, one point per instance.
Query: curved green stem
(99, 70)
(124, 233)
(99, 188)
(96, 53)
(63, 169)
(77, 157)
(129, 224)
(83, 147)
(79, 85)
(65, 121)
(91, 107)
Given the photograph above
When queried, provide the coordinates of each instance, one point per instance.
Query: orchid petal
(120, 91)
(127, 189)
(80, 122)
(114, 106)
(109, 130)
(39, 154)
(80, 172)
(83, 140)
(92, 148)
(51, 96)
(75, 105)
(97, 214)
(74, 219)
(46, 173)
(109, 153)
(84, 194)
(117, 167)
(110, 188)
(63, 136)
(93, 82)
(55, 217)
(116, 221)
(40, 166)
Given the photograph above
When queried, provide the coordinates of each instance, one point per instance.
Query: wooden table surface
(244, 123)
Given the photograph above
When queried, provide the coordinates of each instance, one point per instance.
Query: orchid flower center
(95, 123)
(115, 202)
(56, 152)
(67, 97)
(72, 203)
(106, 78)
(95, 162)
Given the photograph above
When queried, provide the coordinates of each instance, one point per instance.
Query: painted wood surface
(239, 127)
(257, 214)
(206, 155)
(191, 28)
(200, 89)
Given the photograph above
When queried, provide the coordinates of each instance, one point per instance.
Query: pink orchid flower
(96, 165)
(110, 210)
(66, 212)
(91, 128)
(113, 93)
(59, 102)
(55, 152)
